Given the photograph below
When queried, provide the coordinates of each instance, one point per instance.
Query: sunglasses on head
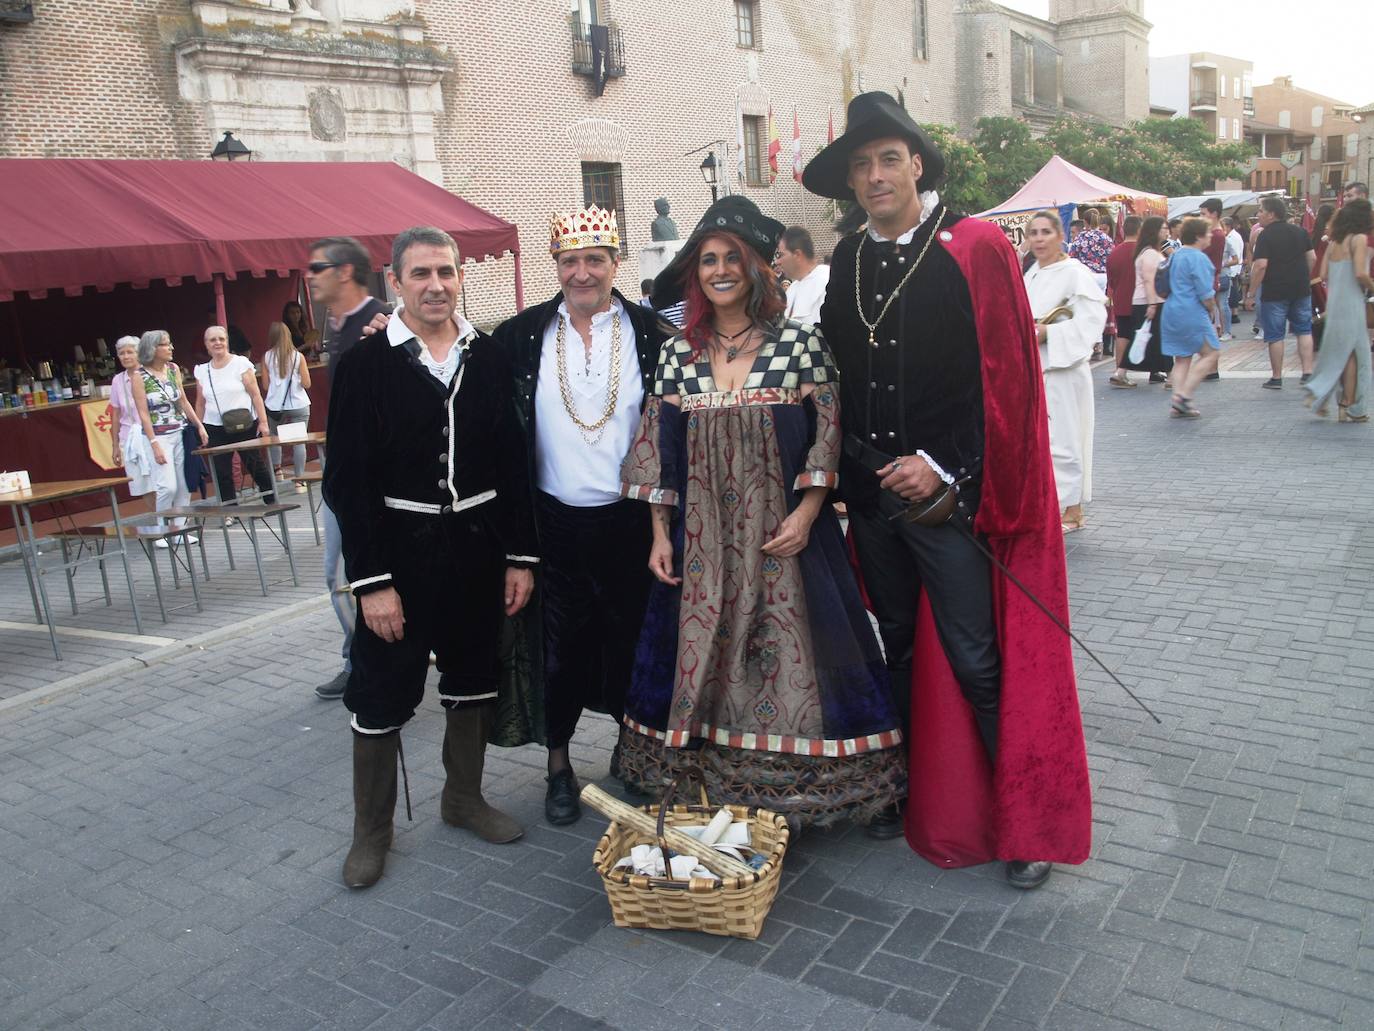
(320, 266)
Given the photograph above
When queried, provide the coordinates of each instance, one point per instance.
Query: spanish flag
(774, 146)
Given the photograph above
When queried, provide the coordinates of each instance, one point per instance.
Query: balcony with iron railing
(582, 49)
(1203, 100)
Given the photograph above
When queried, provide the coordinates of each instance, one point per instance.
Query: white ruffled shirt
(575, 472)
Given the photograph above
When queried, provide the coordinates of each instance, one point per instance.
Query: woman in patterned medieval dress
(757, 661)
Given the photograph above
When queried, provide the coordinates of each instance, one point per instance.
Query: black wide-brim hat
(871, 116)
(732, 214)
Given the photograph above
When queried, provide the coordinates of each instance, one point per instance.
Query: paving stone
(866, 990)
(968, 1005)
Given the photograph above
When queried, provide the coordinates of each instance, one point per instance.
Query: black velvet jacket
(522, 338)
(920, 387)
(389, 436)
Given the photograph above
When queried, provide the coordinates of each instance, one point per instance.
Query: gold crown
(590, 227)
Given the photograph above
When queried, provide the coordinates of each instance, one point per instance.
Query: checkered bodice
(793, 354)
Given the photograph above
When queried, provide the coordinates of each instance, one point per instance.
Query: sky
(1330, 56)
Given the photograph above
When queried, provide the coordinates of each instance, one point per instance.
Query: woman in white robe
(1070, 311)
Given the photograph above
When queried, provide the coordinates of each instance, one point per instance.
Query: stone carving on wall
(328, 120)
(336, 80)
(596, 139)
(754, 99)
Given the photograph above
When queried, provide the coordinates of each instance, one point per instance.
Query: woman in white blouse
(229, 388)
(1070, 311)
(285, 386)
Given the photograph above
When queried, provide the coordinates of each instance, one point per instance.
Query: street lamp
(708, 172)
(230, 149)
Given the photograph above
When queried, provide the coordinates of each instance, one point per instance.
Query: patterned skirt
(764, 672)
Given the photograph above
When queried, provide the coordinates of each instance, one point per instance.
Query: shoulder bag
(235, 420)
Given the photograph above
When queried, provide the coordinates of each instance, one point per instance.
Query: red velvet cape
(1037, 804)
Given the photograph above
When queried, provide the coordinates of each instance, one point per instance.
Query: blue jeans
(1224, 303)
(334, 578)
(1277, 316)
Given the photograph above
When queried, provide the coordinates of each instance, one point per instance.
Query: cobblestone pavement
(170, 839)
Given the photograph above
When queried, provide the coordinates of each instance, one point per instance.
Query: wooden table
(262, 444)
(21, 502)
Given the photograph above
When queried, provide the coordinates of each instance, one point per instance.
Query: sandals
(1071, 519)
(1344, 416)
(1182, 408)
(1119, 380)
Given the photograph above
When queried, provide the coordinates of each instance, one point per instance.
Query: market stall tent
(71, 224)
(1059, 182)
(1233, 202)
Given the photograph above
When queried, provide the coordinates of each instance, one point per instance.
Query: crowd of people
(600, 507)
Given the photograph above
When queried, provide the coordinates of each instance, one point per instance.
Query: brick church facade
(501, 103)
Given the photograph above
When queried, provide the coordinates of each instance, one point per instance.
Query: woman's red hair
(766, 301)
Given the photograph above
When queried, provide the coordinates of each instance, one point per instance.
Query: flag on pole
(796, 146)
(830, 130)
(739, 142)
(1309, 217)
(774, 146)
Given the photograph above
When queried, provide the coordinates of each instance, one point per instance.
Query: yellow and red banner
(774, 146)
(96, 417)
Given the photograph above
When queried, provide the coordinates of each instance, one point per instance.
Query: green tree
(1011, 154)
(966, 173)
(1174, 157)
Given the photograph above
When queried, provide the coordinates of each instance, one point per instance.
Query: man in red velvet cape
(940, 381)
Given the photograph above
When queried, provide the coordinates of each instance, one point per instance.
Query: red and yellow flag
(774, 146)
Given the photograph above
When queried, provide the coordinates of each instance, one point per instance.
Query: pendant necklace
(872, 327)
(732, 351)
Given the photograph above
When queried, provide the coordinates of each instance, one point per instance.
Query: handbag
(236, 420)
(1139, 343)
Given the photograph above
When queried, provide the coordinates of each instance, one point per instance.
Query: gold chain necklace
(591, 431)
(872, 327)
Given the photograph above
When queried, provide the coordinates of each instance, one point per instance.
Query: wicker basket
(734, 906)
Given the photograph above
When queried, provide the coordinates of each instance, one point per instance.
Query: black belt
(864, 454)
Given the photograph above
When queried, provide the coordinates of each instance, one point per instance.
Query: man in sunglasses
(337, 277)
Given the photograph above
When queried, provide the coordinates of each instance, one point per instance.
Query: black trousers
(253, 462)
(450, 573)
(595, 583)
(898, 559)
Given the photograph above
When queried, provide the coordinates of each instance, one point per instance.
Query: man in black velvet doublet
(911, 401)
(428, 478)
(920, 385)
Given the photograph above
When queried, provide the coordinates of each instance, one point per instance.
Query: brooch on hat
(590, 227)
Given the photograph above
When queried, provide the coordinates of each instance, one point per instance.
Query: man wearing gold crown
(582, 362)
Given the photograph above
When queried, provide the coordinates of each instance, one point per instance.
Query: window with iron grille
(747, 27)
(755, 147)
(919, 33)
(603, 186)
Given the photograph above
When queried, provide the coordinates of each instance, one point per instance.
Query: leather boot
(374, 805)
(462, 804)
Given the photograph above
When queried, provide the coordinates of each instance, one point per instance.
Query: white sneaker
(301, 488)
(161, 542)
(1226, 336)
(191, 538)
